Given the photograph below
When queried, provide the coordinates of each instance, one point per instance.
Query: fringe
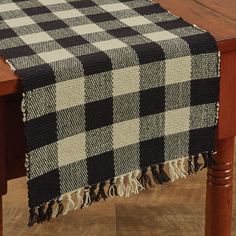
(101, 193)
(145, 179)
(123, 186)
(112, 190)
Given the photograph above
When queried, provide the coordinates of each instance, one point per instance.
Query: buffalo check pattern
(110, 86)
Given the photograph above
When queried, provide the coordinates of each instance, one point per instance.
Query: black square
(53, 25)
(199, 44)
(36, 10)
(41, 131)
(204, 91)
(83, 4)
(7, 33)
(150, 9)
(201, 140)
(99, 114)
(16, 52)
(173, 24)
(152, 101)
(44, 188)
(37, 76)
(95, 63)
(100, 167)
(123, 32)
(101, 17)
(71, 41)
(152, 152)
(149, 52)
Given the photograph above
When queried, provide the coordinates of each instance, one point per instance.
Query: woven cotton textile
(110, 87)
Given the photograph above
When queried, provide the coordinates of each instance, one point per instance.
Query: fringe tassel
(70, 204)
(176, 169)
(190, 165)
(112, 190)
(208, 159)
(129, 185)
(101, 192)
(120, 186)
(86, 199)
(173, 175)
(159, 176)
(41, 214)
(33, 218)
(145, 179)
(182, 166)
(80, 200)
(196, 164)
(49, 210)
(59, 209)
(92, 193)
(136, 185)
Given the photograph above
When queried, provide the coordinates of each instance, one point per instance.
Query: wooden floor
(172, 209)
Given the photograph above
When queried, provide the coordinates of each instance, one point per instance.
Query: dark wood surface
(217, 17)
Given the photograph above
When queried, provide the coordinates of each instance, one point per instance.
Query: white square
(159, 36)
(68, 14)
(177, 121)
(125, 133)
(126, 80)
(51, 2)
(87, 29)
(137, 20)
(109, 44)
(71, 149)
(178, 70)
(8, 7)
(21, 21)
(36, 38)
(56, 55)
(114, 7)
(70, 93)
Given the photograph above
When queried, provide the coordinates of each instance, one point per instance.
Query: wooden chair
(214, 16)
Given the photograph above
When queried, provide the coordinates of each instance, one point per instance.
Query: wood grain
(227, 115)
(224, 8)
(205, 16)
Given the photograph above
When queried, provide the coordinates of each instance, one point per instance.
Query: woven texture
(110, 87)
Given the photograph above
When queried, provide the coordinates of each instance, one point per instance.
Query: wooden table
(217, 17)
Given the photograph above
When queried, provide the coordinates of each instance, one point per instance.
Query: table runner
(113, 91)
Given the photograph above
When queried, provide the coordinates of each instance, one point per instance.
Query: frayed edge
(124, 185)
(13, 69)
(176, 169)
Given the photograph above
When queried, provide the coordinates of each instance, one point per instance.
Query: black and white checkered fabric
(110, 86)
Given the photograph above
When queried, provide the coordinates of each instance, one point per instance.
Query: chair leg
(219, 191)
(1, 223)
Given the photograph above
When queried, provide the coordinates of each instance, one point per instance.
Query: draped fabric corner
(115, 91)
